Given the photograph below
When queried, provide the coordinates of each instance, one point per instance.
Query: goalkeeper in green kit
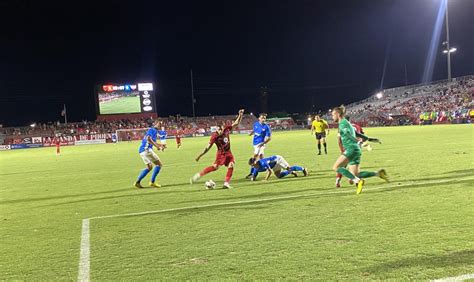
(352, 152)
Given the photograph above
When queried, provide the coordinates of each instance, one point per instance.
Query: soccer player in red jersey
(224, 155)
(57, 142)
(178, 138)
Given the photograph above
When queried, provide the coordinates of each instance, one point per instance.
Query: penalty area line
(84, 260)
(456, 278)
(388, 186)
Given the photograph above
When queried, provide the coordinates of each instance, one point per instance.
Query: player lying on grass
(261, 136)
(352, 152)
(224, 155)
(276, 164)
(149, 157)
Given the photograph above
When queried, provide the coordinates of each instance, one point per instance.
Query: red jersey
(357, 128)
(222, 141)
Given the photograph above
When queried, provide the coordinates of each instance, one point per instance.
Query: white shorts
(163, 142)
(257, 150)
(281, 163)
(149, 156)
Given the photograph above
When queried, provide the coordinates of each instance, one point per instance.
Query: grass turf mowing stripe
(283, 198)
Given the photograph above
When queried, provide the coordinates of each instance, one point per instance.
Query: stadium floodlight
(379, 95)
(33, 125)
(450, 50)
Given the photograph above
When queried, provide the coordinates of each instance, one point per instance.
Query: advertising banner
(90, 142)
(37, 140)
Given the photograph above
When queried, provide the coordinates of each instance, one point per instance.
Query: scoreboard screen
(125, 98)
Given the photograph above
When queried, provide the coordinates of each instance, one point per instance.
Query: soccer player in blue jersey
(262, 134)
(276, 164)
(149, 157)
(162, 134)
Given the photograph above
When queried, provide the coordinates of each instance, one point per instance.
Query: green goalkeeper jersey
(348, 135)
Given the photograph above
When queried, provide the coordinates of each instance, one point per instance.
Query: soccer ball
(210, 184)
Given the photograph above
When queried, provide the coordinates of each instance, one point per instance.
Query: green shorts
(353, 154)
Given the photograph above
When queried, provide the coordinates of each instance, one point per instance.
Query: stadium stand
(441, 101)
(438, 102)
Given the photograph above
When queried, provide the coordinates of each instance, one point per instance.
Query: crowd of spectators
(438, 102)
(185, 125)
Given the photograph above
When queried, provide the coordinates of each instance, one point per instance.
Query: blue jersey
(162, 134)
(260, 132)
(152, 132)
(264, 165)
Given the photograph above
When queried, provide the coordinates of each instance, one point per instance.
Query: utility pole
(406, 75)
(264, 99)
(192, 94)
(447, 43)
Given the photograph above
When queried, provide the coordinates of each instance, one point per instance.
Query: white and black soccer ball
(210, 184)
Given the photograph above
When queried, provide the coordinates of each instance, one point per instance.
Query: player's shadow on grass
(454, 259)
(454, 174)
(29, 172)
(420, 185)
(61, 197)
(192, 189)
(238, 181)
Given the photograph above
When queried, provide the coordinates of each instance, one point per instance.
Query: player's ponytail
(341, 110)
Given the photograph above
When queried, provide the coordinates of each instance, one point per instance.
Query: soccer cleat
(382, 174)
(360, 185)
(319, 153)
(305, 172)
(338, 182)
(249, 176)
(226, 186)
(195, 178)
(137, 185)
(154, 184)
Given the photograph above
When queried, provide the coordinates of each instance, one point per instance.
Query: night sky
(310, 54)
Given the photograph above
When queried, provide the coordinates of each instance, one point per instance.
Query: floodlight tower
(448, 50)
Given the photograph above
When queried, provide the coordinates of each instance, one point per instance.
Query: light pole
(447, 43)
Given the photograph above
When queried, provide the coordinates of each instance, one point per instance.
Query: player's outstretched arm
(204, 152)
(239, 119)
(376, 140)
(149, 140)
(269, 173)
(267, 139)
(251, 133)
(364, 137)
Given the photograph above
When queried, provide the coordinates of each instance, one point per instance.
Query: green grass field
(121, 105)
(418, 227)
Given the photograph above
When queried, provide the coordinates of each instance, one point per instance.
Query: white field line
(84, 260)
(456, 278)
(341, 191)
